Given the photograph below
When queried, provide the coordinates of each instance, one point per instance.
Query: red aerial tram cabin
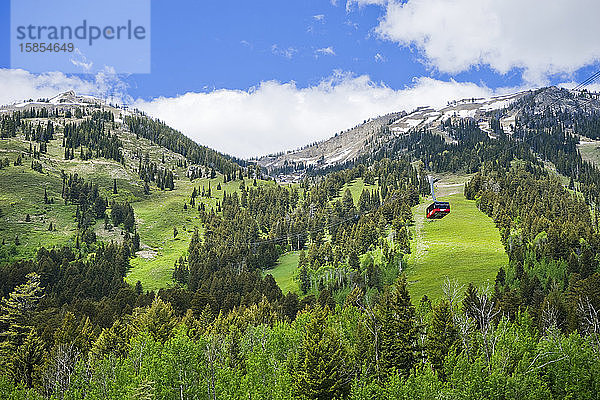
(438, 210)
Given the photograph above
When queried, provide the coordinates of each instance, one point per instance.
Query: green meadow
(285, 271)
(464, 247)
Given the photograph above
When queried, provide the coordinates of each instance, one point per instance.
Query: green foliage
(398, 336)
(442, 334)
(21, 350)
(319, 372)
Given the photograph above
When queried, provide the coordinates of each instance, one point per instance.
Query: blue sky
(203, 45)
(247, 58)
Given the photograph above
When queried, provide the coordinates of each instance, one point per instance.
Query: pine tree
(320, 372)
(138, 288)
(441, 335)
(304, 279)
(348, 204)
(27, 359)
(115, 186)
(19, 351)
(353, 260)
(136, 241)
(398, 336)
(129, 220)
(471, 302)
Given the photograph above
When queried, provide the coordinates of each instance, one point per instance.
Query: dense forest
(72, 328)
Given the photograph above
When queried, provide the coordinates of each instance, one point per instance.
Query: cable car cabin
(438, 210)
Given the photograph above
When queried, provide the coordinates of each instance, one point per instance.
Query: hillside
(23, 189)
(158, 211)
(138, 264)
(365, 139)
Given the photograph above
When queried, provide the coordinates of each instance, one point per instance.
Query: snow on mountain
(348, 145)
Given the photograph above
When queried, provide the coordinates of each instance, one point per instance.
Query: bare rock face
(341, 148)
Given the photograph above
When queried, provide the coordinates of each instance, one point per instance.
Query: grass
(23, 193)
(156, 217)
(463, 246)
(356, 188)
(590, 151)
(284, 272)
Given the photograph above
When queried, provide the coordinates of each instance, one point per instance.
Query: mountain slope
(463, 247)
(34, 212)
(366, 139)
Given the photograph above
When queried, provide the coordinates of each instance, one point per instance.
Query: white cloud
(325, 51)
(319, 17)
(542, 38)
(379, 58)
(17, 85)
(287, 53)
(361, 3)
(274, 116)
(268, 118)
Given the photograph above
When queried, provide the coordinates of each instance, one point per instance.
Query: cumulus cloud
(268, 118)
(275, 116)
(541, 38)
(17, 85)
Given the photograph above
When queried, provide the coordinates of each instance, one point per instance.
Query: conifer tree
(398, 336)
(353, 260)
(320, 372)
(441, 335)
(348, 204)
(27, 359)
(19, 346)
(304, 280)
(138, 288)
